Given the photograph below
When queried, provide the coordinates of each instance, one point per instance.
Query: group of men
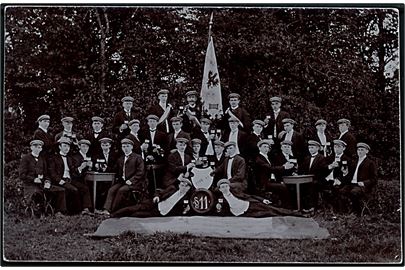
(152, 162)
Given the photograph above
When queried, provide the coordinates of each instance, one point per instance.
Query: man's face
(105, 146)
(196, 148)
(321, 128)
(338, 149)
(97, 125)
(233, 125)
(234, 101)
(67, 125)
(362, 152)
(288, 127)
(205, 126)
(127, 148)
(183, 187)
(264, 148)
(44, 124)
(257, 128)
(163, 98)
(224, 188)
(127, 105)
(343, 127)
(219, 149)
(152, 123)
(135, 128)
(230, 150)
(275, 105)
(64, 148)
(191, 99)
(181, 146)
(177, 125)
(286, 148)
(84, 148)
(36, 149)
(313, 149)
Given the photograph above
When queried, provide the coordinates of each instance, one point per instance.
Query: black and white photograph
(218, 134)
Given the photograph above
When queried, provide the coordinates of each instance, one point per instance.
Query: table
(297, 180)
(98, 177)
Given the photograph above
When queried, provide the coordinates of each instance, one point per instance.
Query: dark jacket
(238, 173)
(367, 173)
(56, 168)
(30, 169)
(134, 171)
(175, 167)
(48, 139)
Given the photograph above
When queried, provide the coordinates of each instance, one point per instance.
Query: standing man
(233, 168)
(63, 173)
(238, 136)
(323, 137)
(359, 180)
(155, 141)
(32, 172)
(235, 111)
(298, 141)
(163, 110)
(97, 132)
(177, 124)
(130, 184)
(122, 118)
(67, 132)
(42, 134)
(203, 133)
(191, 112)
(135, 135)
(255, 137)
(219, 156)
(273, 121)
(347, 137)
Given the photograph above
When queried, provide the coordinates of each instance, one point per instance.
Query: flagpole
(209, 28)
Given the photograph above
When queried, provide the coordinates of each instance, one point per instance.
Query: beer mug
(344, 164)
(270, 137)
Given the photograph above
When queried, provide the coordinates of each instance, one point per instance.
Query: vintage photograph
(200, 134)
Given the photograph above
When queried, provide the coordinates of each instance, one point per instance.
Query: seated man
(82, 161)
(171, 201)
(265, 173)
(130, 181)
(219, 156)
(238, 204)
(105, 161)
(63, 173)
(360, 180)
(177, 162)
(33, 173)
(233, 168)
(314, 164)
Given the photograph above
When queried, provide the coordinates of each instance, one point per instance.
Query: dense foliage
(325, 63)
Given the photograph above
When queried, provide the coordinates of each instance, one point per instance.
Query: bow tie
(152, 130)
(231, 157)
(95, 132)
(62, 155)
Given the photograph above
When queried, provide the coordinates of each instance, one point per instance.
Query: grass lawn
(370, 239)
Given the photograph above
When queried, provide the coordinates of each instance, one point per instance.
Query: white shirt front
(288, 135)
(233, 137)
(354, 180)
(265, 156)
(322, 138)
(46, 131)
(312, 160)
(181, 156)
(66, 171)
(229, 168)
(152, 136)
(343, 133)
(123, 167)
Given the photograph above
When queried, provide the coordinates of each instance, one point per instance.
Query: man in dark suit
(237, 112)
(82, 160)
(178, 162)
(265, 175)
(67, 132)
(335, 162)
(33, 173)
(155, 144)
(191, 113)
(177, 124)
(42, 134)
(273, 121)
(97, 132)
(238, 136)
(347, 137)
(163, 110)
(122, 118)
(233, 168)
(63, 173)
(219, 156)
(203, 133)
(321, 135)
(135, 135)
(106, 160)
(130, 184)
(314, 164)
(255, 137)
(282, 158)
(360, 179)
(289, 134)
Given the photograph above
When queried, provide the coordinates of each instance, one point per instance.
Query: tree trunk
(103, 61)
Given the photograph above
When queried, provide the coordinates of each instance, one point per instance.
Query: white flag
(211, 97)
